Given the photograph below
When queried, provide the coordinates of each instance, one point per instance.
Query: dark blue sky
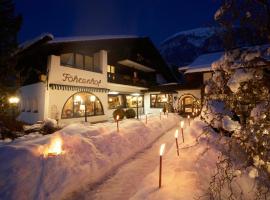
(157, 19)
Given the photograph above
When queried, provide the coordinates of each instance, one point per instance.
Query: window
(67, 59)
(111, 71)
(132, 101)
(124, 101)
(88, 63)
(159, 100)
(115, 101)
(79, 61)
(79, 102)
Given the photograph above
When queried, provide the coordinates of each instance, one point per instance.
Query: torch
(117, 122)
(161, 151)
(176, 141)
(188, 120)
(182, 130)
(146, 118)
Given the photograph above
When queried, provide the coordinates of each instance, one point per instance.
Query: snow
(31, 42)
(203, 62)
(91, 38)
(197, 32)
(89, 154)
(239, 76)
(213, 112)
(188, 176)
(229, 125)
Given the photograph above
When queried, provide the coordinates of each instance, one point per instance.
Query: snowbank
(90, 153)
(188, 176)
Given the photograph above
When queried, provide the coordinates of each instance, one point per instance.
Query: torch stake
(160, 170)
(117, 125)
(177, 147)
(146, 118)
(183, 135)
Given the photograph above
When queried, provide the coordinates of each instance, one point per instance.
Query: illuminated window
(77, 103)
(131, 101)
(115, 101)
(111, 71)
(159, 100)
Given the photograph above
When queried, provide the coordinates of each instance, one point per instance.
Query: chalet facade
(70, 79)
(191, 91)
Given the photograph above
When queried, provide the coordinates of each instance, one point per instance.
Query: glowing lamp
(161, 151)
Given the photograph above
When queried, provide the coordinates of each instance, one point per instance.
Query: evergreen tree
(9, 26)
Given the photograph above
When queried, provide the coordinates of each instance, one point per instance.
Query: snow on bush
(213, 112)
(258, 111)
(50, 123)
(89, 154)
(239, 76)
(229, 125)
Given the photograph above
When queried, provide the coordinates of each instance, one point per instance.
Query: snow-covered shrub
(239, 89)
(119, 112)
(130, 113)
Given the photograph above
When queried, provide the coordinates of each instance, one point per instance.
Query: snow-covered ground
(89, 154)
(188, 176)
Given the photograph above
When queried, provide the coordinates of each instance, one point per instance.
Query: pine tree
(9, 26)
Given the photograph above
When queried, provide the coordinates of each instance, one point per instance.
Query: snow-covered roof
(33, 41)
(91, 38)
(202, 63)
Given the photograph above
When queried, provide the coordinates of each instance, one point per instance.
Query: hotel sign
(76, 79)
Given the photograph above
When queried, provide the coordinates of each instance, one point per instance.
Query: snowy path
(125, 181)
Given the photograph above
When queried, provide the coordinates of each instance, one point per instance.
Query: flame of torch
(182, 124)
(117, 117)
(161, 150)
(54, 148)
(176, 133)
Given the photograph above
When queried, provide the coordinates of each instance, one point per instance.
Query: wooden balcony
(128, 80)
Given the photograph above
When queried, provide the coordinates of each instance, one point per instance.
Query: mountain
(182, 48)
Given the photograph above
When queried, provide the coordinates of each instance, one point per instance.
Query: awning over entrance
(77, 88)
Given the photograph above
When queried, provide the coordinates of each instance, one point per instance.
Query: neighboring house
(63, 77)
(190, 93)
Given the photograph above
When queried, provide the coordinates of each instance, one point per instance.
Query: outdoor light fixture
(161, 151)
(113, 92)
(137, 103)
(182, 129)
(176, 141)
(13, 100)
(117, 122)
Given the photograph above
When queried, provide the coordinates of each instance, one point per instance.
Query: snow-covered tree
(237, 98)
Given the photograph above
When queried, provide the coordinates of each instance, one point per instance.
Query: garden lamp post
(13, 101)
(137, 103)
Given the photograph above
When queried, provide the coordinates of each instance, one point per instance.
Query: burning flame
(161, 150)
(117, 117)
(54, 148)
(182, 124)
(188, 116)
(176, 133)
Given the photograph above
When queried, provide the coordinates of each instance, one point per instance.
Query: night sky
(157, 19)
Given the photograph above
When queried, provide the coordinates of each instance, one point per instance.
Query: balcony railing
(128, 80)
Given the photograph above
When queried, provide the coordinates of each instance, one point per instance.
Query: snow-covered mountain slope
(182, 48)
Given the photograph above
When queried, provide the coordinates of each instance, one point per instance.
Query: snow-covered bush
(130, 113)
(239, 89)
(120, 112)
